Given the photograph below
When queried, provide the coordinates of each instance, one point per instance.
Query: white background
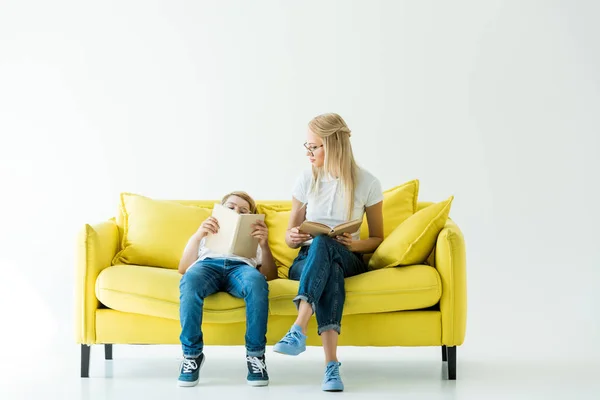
(494, 102)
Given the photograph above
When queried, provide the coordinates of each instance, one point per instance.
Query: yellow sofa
(416, 305)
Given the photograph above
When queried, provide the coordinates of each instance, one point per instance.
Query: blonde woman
(336, 190)
(206, 272)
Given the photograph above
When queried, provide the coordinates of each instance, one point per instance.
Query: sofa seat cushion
(385, 290)
(155, 292)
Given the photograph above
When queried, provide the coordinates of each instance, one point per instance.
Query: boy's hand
(210, 225)
(261, 232)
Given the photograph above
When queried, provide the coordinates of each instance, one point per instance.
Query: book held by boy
(316, 228)
(234, 236)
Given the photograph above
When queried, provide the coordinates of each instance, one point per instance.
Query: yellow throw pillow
(277, 219)
(155, 232)
(412, 241)
(399, 203)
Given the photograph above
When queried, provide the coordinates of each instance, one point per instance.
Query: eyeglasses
(312, 149)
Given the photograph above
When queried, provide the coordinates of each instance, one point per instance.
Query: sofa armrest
(96, 247)
(450, 261)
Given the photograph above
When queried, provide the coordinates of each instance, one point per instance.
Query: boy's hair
(242, 195)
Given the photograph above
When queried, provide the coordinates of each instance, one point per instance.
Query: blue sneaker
(293, 343)
(332, 382)
(189, 373)
(257, 371)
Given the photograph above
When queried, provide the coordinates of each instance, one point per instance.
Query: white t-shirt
(204, 252)
(327, 204)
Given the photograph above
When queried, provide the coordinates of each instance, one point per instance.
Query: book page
(348, 227)
(244, 244)
(222, 242)
(315, 228)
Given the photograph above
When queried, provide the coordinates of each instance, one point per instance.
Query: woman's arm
(375, 221)
(294, 237)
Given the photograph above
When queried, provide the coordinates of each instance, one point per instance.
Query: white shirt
(327, 204)
(204, 252)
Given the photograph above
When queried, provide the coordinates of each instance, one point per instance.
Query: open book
(234, 236)
(316, 228)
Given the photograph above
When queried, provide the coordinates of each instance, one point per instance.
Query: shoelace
(188, 365)
(332, 372)
(258, 366)
(291, 338)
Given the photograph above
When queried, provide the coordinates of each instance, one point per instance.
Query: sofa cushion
(413, 240)
(155, 232)
(399, 203)
(386, 290)
(155, 292)
(277, 219)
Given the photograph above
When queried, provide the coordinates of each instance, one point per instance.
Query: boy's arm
(268, 267)
(190, 254)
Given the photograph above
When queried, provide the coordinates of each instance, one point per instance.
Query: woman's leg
(323, 260)
(329, 310)
(330, 306)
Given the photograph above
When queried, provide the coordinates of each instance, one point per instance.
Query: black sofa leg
(108, 352)
(444, 354)
(451, 350)
(85, 361)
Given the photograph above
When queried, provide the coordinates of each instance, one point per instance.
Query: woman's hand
(210, 225)
(347, 240)
(296, 237)
(261, 232)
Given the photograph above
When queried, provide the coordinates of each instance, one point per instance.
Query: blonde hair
(339, 159)
(242, 195)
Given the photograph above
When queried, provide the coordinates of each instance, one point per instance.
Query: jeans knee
(321, 240)
(191, 286)
(257, 285)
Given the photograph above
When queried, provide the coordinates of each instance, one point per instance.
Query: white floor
(150, 372)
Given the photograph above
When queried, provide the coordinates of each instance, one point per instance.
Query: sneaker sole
(287, 352)
(188, 384)
(257, 383)
(192, 383)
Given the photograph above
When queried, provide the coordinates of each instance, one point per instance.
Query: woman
(206, 272)
(334, 192)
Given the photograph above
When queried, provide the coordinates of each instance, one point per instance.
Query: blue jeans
(213, 275)
(321, 269)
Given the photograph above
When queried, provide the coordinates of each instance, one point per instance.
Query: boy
(205, 272)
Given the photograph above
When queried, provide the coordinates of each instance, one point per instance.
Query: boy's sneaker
(332, 382)
(257, 371)
(293, 343)
(189, 372)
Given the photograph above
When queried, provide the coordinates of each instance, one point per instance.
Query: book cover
(234, 236)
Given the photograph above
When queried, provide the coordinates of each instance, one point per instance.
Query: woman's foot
(332, 382)
(257, 371)
(189, 372)
(293, 343)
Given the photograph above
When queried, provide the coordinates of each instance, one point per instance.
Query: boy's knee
(257, 284)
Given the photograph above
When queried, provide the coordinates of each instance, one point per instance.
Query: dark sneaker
(293, 343)
(332, 382)
(189, 372)
(257, 371)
